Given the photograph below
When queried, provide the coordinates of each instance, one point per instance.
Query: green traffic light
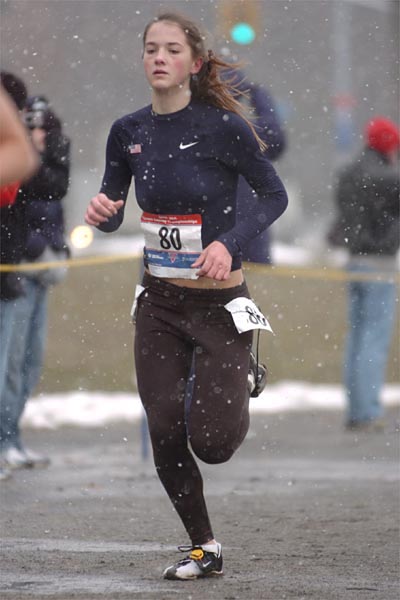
(243, 33)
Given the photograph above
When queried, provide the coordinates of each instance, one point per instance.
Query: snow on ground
(94, 409)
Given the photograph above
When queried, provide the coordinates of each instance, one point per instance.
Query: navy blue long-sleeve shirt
(189, 162)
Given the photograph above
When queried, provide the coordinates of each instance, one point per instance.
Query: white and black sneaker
(257, 377)
(22, 458)
(13, 458)
(203, 561)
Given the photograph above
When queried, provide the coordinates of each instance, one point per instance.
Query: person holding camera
(10, 284)
(41, 239)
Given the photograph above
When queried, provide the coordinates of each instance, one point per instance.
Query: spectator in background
(270, 130)
(13, 88)
(39, 212)
(367, 199)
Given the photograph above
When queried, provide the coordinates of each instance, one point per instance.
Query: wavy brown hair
(207, 86)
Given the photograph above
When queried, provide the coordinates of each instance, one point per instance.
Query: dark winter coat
(367, 199)
(269, 129)
(36, 218)
(10, 252)
(41, 198)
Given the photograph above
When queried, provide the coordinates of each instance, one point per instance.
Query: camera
(34, 120)
(35, 113)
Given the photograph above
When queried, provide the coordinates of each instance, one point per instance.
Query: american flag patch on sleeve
(135, 149)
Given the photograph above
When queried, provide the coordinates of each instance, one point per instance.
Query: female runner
(193, 312)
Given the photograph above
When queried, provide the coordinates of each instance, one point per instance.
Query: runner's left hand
(215, 262)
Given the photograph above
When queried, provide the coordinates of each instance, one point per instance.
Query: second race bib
(246, 315)
(172, 244)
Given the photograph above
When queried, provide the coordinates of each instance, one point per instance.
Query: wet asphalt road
(304, 510)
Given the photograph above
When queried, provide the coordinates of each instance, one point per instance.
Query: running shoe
(203, 561)
(13, 458)
(368, 426)
(257, 377)
(21, 458)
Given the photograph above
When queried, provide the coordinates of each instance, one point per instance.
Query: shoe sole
(15, 467)
(39, 465)
(174, 577)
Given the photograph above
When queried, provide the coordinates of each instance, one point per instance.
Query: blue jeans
(24, 359)
(371, 315)
(7, 310)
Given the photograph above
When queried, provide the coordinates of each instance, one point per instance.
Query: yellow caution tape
(322, 273)
(69, 262)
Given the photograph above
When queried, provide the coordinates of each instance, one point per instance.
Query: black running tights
(191, 367)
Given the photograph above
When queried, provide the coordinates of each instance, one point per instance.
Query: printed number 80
(169, 238)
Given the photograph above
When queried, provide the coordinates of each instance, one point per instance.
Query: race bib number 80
(172, 244)
(246, 315)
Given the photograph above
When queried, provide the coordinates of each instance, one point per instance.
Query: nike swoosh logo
(184, 146)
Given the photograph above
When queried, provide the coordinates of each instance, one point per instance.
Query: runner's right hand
(101, 208)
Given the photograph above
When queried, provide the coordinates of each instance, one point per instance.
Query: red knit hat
(382, 135)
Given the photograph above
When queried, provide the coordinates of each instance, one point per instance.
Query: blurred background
(330, 65)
